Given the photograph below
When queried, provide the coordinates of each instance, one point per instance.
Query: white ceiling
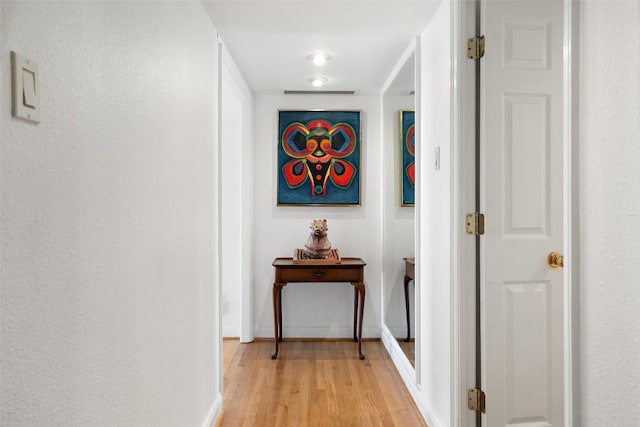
(269, 40)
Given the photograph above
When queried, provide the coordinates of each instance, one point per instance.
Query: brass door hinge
(476, 400)
(475, 47)
(475, 224)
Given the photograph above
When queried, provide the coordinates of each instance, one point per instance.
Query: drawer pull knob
(319, 272)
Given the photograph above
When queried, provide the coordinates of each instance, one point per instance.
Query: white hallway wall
(434, 214)
(108, 297)
(311, 310)
(610, 198)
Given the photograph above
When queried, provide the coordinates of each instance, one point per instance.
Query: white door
(521, 197)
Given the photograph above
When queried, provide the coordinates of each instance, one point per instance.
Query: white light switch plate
(25, 93)
(437, 158)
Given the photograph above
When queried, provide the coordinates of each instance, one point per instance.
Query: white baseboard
(400, 331)
(408, 375)
(214, 412)
(407, 372)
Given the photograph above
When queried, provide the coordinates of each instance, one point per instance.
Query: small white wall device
(24, 81)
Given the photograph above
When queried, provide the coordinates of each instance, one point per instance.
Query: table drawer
(320, 274)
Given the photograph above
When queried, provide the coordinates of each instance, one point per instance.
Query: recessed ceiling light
(318, 81)
(319, 58)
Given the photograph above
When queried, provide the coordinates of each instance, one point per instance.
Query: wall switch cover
(25, 89)
(437, 158)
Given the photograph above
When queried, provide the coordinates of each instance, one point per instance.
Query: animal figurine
(318, 245)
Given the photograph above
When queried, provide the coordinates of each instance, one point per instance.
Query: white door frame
(463, 186)
(571, 190)
(463, 293)
(231, 76)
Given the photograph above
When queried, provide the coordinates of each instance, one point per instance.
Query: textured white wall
(108, 298)
(310, 310)
(610, 196)
(434, 214)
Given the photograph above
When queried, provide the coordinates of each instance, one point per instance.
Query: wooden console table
(409, 275)
(350, 270)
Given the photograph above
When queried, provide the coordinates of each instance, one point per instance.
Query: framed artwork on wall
(318, 157)
(408, 157)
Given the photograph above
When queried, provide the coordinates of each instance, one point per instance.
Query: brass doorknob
(555, 260)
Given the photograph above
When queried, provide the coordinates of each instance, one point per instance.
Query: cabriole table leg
(355, 313)
(361, 291)
(407, 279)
(277, 289)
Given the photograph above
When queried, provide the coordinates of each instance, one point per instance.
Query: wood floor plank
(312, 384)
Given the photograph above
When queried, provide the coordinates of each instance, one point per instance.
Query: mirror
(398, 101)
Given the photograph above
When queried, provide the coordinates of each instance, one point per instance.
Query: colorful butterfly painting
(408, 141)
(319, 158)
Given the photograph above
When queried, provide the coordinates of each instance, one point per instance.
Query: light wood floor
(313, 383)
